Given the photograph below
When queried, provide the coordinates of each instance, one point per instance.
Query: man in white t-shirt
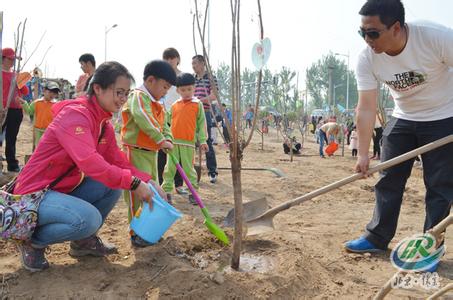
(413, 60)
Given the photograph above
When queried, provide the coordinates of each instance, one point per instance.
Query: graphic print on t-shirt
(407, 80)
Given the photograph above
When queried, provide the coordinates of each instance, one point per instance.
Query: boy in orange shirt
(188, 124)
(40, 109)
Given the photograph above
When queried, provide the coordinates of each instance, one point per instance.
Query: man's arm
(211, 89)
(366, 118)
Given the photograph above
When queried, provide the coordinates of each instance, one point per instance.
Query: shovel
(208, 222)
(264, 222)
(276, 171)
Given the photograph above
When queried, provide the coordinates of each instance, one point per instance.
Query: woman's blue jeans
(74, 216)
(322, 139)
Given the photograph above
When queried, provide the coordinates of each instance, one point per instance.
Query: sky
(301, 31)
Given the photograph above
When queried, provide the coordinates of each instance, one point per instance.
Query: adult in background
(88, 66)
(229, 119)
(377, 137)
(205, 92)
(413, 60)
(327, 132)
(14, 114)
(171, 55)
(35, 86)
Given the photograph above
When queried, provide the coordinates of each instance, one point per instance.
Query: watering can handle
(153, 189)
(379, 167)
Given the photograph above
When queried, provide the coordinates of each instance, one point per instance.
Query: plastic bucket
(331, 148)
(151, 225)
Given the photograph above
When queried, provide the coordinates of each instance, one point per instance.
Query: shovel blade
(252, 210)
(217, 231)
(277, 172)
(260, 226)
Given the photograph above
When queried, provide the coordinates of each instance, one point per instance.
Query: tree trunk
(238, 209)
(262, 140)
(291, 149)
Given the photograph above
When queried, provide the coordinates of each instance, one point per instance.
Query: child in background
(296, 146)
(145, 128)
(188, 124)
(40, 110)
(353, 143)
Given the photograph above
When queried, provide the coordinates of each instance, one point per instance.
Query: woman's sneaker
(93, 246)
(33, 258)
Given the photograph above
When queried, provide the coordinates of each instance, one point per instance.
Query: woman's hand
(144, 193)
(159, 190)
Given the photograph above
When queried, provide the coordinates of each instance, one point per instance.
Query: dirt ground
(302, 259)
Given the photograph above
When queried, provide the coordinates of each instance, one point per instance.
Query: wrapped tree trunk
(238, 217)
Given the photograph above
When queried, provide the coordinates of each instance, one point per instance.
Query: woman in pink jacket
(79, 148)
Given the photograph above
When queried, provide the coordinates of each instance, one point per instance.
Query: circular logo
(416, 253)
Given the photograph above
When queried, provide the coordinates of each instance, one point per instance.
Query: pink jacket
(72, 138)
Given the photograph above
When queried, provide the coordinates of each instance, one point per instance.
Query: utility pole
(334, 94)
(306, 96)
(347, 80)
(330, 87)
(105, 39)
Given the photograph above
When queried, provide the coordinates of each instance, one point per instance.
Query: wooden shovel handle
(382, 166)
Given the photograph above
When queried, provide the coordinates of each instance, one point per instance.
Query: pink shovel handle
(188, 183)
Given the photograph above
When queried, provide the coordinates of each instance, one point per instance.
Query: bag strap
(60, 178)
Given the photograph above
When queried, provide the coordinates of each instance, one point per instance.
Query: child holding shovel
(40, 110)
(145, 128)
(188, 124)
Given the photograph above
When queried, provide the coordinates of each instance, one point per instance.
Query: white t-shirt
(171, 96)
(418, 77)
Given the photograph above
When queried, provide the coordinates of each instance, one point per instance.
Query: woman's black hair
(107, 74)
(389, 11)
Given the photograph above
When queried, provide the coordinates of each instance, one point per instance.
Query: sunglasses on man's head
(372, 34)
